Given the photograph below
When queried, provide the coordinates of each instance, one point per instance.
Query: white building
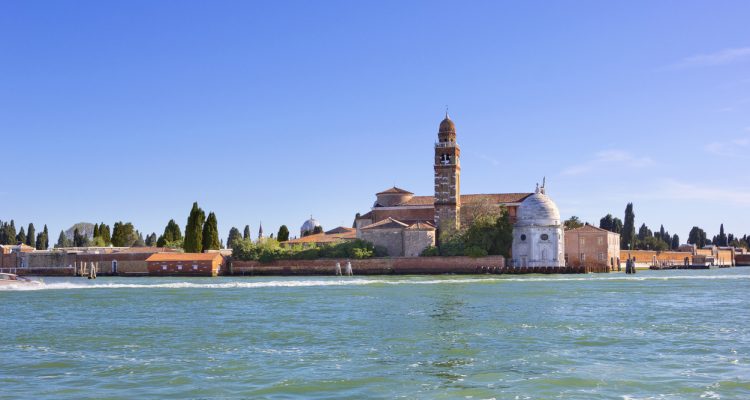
(538, 233)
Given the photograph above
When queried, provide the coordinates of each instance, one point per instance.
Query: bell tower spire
(447, 179)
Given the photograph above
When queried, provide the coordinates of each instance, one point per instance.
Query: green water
(660, 335)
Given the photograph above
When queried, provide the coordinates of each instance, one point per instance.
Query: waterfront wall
(397, 266)
(651, 257)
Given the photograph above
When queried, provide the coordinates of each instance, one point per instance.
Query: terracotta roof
(184, 257)
(590, 228)
(394, 190)
(324, 237)
(388, 223)
(468, 199)
(421, 226)
(340, 229)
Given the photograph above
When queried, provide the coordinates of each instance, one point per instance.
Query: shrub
(430, 251)
(475, 252)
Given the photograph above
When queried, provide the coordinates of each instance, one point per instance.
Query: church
(405, 224)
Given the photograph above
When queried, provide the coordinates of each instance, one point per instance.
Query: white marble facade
(538, 233)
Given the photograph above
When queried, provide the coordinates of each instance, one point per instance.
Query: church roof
(447, 125)
(340, 229)
(421, 226)
(388, 223)
(469, 199)
(589, 228)
(394, 190)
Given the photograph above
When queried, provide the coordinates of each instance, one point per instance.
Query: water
(659, 335)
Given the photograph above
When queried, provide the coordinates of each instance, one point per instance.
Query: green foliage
(234, 236)
(151, 240)
(123, 234)
(675, 242)
(194, 230)
(430, 251)
(62, 240)
(283, 234)
(612, 224)
(172, 234)
(30, 238)
(97, 242)
(79, 239)
(572, 223)
(211, 233)
(697, 236)
(628, 229)
(475, 252)
(21, 237)
(269, 250)
(246, 232)
(105, 233)
(96, 230)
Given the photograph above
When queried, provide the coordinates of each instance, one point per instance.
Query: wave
(354, 282)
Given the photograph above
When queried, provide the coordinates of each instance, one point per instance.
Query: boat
(13, 279)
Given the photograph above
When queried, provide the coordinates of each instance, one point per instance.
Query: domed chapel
(405, 224)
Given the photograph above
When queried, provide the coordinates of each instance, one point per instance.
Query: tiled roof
(589, 228)
(340, 229)
(367, 215)
(184, 257)
(421, 226)
(469, 199)
(388, 223)
(324, 237)
(394, 190)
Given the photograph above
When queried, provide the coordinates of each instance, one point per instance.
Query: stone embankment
(399, 266)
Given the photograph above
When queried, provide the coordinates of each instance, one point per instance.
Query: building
(308, 227)
(16, 248)
(447, 210)
(191, 264)
(590, 246)
(538, 233)
(336, 235)
(399, 239)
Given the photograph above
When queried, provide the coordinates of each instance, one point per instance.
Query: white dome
(309, 225)
(538, 209)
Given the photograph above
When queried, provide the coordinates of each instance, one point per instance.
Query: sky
(275, 111)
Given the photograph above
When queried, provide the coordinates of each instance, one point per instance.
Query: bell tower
(447, 179)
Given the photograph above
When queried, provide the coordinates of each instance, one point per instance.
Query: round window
(523, 237)
(545, 236)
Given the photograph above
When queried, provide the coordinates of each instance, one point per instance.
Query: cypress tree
(21, 237)
(62, 240)
(628, 229)
(30, 239)
(194, 230)
(234, 237)
(105, 233)
(95, 234)
(246, 233)
(211, 233)
(675, 242)
(283, 234)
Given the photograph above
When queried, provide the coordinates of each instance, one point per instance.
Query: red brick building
(188, 264)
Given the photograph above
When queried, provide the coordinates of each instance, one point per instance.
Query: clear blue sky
(273, 111)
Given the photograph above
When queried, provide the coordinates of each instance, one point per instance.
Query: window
(195, 267)
(523, 237)
(582, 241)
(545, 236)
(583, 257)
(601, 256)
(600, 241)
(163, 267)
(179, 267)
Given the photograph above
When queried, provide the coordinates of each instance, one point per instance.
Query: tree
(95, 233)
(30, 239)
(124, 234)
(139, 242)
(697, 237)
(572, 223)
(21, 237)
(62, 240)
(607, 222)
(172, 233)
(644, 232)
(721, 240)
(151, 240)
(211, 233)
(79, 239)
(675, 242)
(488, 234)
(105, 233)
(246, 233)
(45, 236)
(283, 234)
(194, 230)
(628, 229)
(234, 237)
